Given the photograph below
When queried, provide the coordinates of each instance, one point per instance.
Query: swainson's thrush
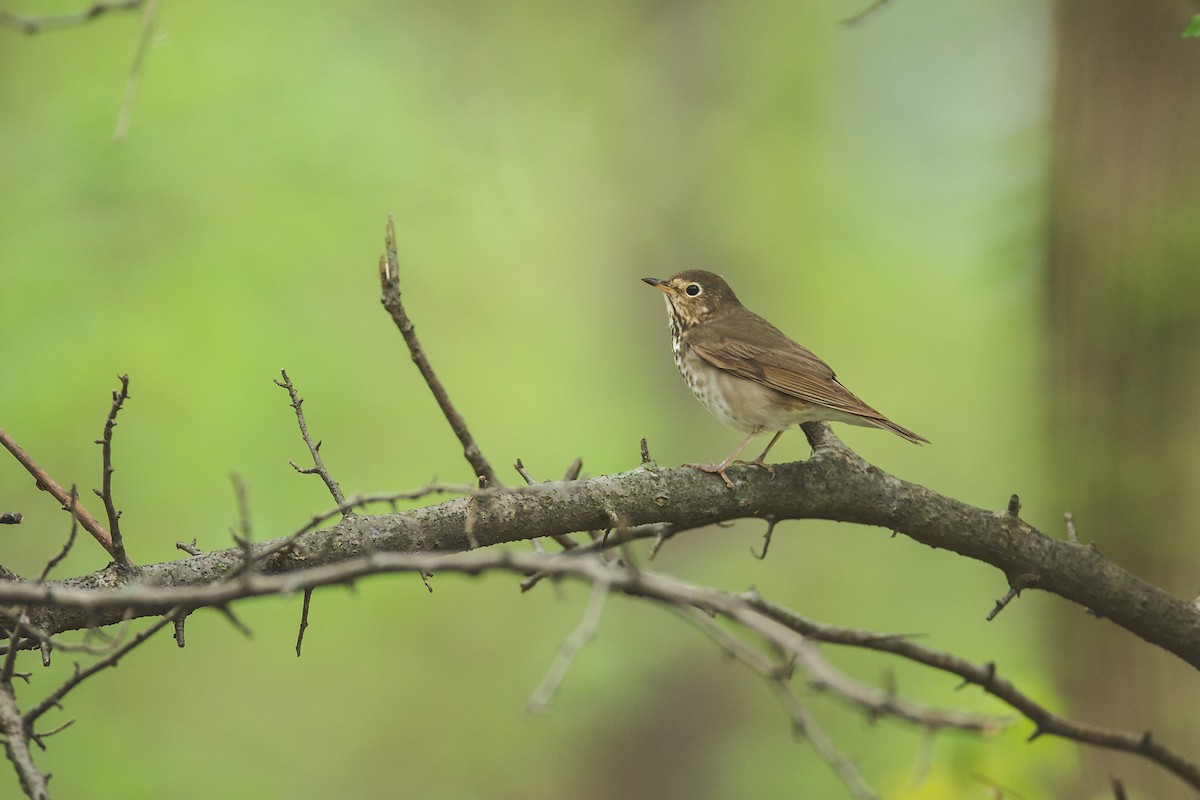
(747, 373)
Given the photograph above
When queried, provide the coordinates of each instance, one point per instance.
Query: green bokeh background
(876, 191)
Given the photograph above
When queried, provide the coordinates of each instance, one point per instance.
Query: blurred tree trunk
(1123, 307)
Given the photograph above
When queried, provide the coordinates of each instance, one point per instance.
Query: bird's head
(694, 296)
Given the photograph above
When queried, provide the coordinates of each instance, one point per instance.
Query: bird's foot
(758, 462)
(715, 469)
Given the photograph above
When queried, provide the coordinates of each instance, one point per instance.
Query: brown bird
(747, 373)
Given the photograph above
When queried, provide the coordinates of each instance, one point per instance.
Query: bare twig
(1014, 506)
(66, 548)
(244, 528)
(546, 690)
(149, 16)
(32, 25)
(985, 677)
(389, 277)
(647, 461)
(660, 539)
(865, 14)
(779, 677)
(189, 548)
(240, 626)
(35, 637)
(1012, 593)
(1072, 535)
(105, 442)
(304, 619)
(519, 466)
(48, 484)
(771, 521)
(823, 676)
(318, 467)
(81, 675)
(573, 470)
(804, 724)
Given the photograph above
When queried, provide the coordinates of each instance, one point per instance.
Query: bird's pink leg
(719, 469)
(759, 462)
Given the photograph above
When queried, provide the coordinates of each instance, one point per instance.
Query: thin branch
(1012, 593)
(32, 25)
(105, 442)
(647, 461)
(55, 698)
(1072, 536)
(304, 618)
(48, 484)
(245, 528)
(389, 277)
(804, 724)
(985, 677)
(573, 470)
(233, 620)
(824, 677)
(1014, 506)
(38, 737)
(314, 450)
(771, 522)
(189, 548)
(519, 466)
(865, 14)
(33, 636)
(149, 17)
(779, 676)
(749, 609)
(66, 548)
(544, 693)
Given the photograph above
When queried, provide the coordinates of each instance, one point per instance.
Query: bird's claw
(715, 469)
(758, 462)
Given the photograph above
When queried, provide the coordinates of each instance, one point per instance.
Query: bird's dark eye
(692, 289)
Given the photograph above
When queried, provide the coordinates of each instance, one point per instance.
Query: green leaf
(1192, 31)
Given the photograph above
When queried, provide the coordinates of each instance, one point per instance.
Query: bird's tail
(902, 432)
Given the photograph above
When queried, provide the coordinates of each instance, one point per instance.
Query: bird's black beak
(658, 284)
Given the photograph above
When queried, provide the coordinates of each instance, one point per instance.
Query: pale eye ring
(692, 289)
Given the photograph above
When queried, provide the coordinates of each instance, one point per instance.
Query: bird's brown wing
(779, 363)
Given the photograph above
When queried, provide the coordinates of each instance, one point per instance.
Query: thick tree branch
(646, 502)
(834, 484)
